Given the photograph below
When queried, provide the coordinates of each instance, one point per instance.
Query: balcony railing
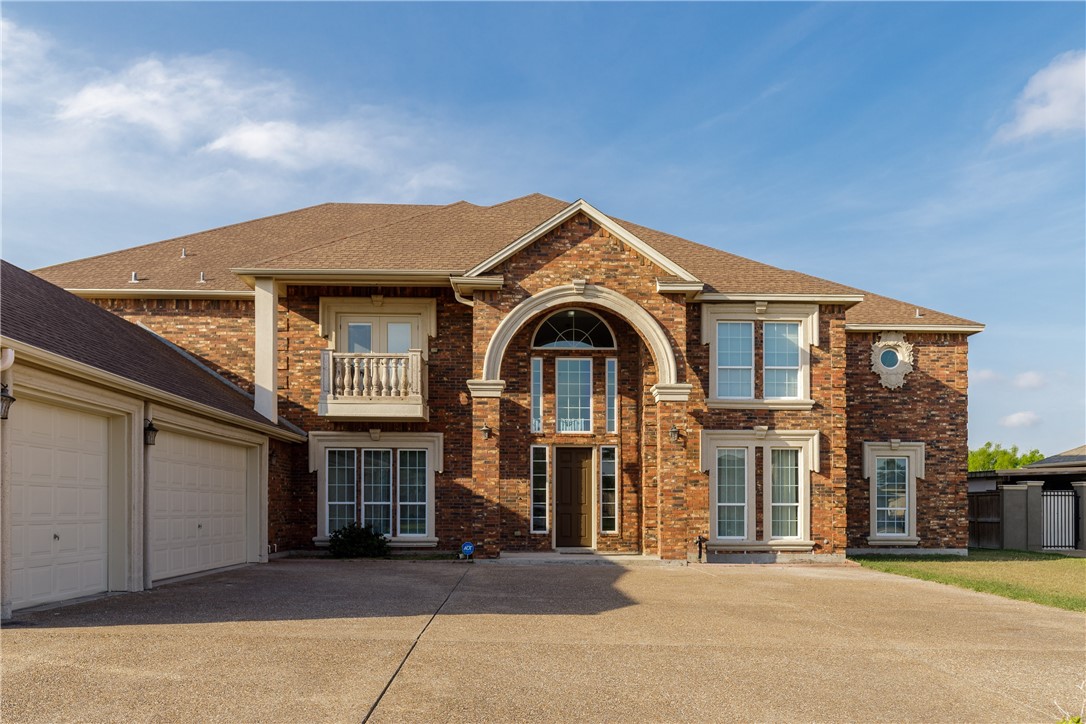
(373, 386)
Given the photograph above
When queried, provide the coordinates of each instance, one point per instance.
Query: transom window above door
(573, 329)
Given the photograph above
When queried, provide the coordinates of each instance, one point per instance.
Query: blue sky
(930, 152)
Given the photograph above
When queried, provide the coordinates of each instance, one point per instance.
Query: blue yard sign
(467, 548)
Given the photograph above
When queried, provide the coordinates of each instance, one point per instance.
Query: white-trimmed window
(342, 479)
(781, 360)
(540, 489)
(784, 492)
(783, 333)
(893, 468)
(735, 360)
(788, 458)
(384, 480)
(573, 394)
(612, 394)
(731, 486)
(608, 489)
(537, 394)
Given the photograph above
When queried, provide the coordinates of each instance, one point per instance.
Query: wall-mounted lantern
(6, 398)
(673, 434)
(485, 429)
(149, 432)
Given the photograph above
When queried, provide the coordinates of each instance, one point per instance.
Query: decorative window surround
(891, 346)
(914, 452)
(431, 442)
(806, 315)
(806, 441)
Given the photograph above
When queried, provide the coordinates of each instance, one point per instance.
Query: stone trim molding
(914, 451)
(654, 335)
(892, 377)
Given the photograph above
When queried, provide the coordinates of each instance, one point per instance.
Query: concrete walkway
(322, 640)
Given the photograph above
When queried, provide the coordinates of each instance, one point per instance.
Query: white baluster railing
(389, 377)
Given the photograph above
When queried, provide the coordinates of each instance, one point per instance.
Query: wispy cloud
(985, 375)
(1030, 380)
(1053, 101)
(1025, 418)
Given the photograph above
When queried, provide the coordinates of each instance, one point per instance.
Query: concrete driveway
(322, 640)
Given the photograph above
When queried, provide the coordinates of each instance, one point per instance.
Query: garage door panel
(59, 503)
(202, 526)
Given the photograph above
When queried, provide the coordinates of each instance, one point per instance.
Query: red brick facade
(484, 490)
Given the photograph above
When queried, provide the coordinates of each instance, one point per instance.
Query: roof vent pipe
(135, 278)
(183, 254)
(203, 279)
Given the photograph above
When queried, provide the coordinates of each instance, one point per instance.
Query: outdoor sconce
(149, 432)
(673, 433)
(6, 398)
(485, 429)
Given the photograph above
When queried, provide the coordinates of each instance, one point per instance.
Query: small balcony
(374, 386)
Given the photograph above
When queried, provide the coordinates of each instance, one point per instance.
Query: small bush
(357, 541)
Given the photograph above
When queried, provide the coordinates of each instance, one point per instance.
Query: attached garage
(59, 503)
(198, 511)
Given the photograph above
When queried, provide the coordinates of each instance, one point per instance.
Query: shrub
(357, 541)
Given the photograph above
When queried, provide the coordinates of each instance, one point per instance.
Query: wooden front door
(573, 497)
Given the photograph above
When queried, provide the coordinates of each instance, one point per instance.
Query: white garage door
(197, 505)
(58, 503)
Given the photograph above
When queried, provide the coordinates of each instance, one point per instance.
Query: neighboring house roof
(447, 239)
(43, 316)
(1067, 458)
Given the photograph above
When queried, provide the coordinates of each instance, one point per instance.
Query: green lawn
(1046, 578)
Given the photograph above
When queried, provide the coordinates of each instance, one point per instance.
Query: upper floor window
(760, 354)
(573, 394)
(387, 334)
(573, 329)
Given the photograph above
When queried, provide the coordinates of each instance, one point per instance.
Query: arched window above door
(573, 329)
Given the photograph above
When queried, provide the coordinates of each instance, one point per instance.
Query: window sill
(774, 545)
(759, 404)
(903, 541)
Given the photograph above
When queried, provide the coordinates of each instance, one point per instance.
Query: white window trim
(749, 509)
(807, 441)
(574, 309)
(332, 308)
(610, 399)
(914, 452)
(433, 442)
(546, 488)
(803, 527)
(618, 487)
(536, 405)
(591, 399)
(716, 367)
(806, 315)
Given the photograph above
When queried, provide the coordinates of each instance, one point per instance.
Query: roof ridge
(292, 252)
(527, 196)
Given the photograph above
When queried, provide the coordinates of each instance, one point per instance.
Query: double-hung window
(785, 493)
(731, 493)
(893, 468)
(760, 354)
(387, 489)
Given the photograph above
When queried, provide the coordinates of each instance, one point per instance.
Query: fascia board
(843, 299)
(137, 293)
(467, 285)
(966, 329)
(613, 227)
(51, 360)
(403, 277)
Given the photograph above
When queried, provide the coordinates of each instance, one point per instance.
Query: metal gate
(1060, 519)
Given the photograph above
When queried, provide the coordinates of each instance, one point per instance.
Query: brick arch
(667, 386)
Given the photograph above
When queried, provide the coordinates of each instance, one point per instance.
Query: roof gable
(612, 226)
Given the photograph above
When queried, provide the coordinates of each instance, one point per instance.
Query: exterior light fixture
(485, 429)
(673, 433)
(149, 432)
(6, 398)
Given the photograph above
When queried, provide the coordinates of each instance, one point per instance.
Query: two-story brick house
(535, 375)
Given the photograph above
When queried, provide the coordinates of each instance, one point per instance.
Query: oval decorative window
(891, 359)
(573, 329)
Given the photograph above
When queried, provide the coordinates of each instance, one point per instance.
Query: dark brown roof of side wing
(45, 316)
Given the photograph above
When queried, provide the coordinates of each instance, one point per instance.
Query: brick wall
(931, 408)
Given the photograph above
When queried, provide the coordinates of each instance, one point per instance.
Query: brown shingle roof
(450, 238)
(44, 316)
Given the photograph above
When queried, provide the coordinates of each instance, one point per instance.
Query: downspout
(462, 300)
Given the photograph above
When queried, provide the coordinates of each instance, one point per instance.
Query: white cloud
(1025, 418)
(985, 375)
(1029, 380)
(1053, 101)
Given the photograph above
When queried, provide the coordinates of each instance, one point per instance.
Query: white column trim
(266, 349)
